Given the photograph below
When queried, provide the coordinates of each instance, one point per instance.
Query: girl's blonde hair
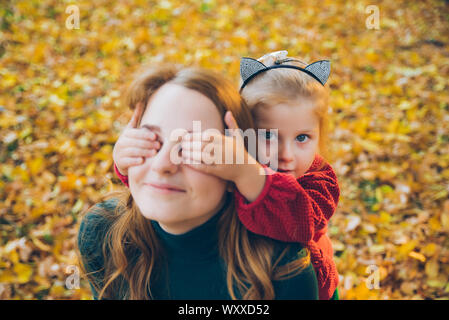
(285, 86)
(132, 254)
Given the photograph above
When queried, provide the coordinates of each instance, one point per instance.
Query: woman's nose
(162, 162)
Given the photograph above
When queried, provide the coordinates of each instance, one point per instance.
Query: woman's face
(177, 196)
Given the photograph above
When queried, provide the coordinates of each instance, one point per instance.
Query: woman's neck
(197, 244)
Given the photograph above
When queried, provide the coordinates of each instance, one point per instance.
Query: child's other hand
(207, 152)
(133, 144)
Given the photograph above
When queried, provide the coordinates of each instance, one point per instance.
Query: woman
(174, 234)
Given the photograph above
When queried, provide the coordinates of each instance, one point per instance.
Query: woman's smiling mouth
(163, 188)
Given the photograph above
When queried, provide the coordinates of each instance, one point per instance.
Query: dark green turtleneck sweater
(193, 268)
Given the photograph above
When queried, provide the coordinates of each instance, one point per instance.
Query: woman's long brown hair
(131, 252)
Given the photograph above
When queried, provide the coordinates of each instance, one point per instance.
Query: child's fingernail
(151, 134)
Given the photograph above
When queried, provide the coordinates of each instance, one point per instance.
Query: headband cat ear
(249, 66)
(321, 69)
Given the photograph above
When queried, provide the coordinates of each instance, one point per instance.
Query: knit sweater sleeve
(122, 178)
(290, 209)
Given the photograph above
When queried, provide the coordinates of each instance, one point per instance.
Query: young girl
(295, 203)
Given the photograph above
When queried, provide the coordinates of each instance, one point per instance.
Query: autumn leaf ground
(60, 115)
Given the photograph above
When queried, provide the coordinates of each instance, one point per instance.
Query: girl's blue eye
(268, 135)
(300, 138)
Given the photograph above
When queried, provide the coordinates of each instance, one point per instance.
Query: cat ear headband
(249, 67)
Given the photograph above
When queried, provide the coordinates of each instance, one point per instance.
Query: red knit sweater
(298, 210)
(295, 210)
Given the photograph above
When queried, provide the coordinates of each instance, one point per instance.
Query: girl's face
(177, 196)
(298, 135)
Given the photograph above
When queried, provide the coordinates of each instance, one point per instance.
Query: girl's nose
(161, 162)
(285, 152)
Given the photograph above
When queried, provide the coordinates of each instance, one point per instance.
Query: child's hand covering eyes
(133, 144)
(247, 174)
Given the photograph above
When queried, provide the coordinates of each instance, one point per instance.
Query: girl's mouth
(285, 171)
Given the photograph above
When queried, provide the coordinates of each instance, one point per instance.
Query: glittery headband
(249, 68)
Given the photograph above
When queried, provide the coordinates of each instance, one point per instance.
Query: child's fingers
(197, 147)
(205, 157)
(142, 133)
(132, 121)
(142, 144)
(128, 162)
(188, 143)
(233, 126)
(230, 120)
(206, 136)
(192, 156)
(192, 145)
(196, 160)
(194, 164)
(136, 115)
(139, 152)
(198, 144)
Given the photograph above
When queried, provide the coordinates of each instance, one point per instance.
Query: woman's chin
(164, 215)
